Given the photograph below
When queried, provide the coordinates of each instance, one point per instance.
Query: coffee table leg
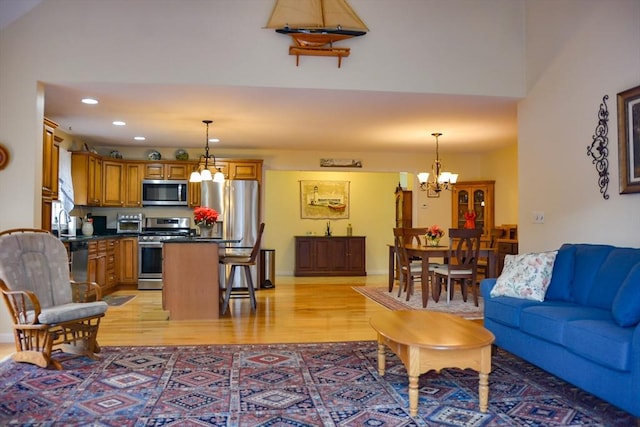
(484, 392)
(413, 395)
(381, 359)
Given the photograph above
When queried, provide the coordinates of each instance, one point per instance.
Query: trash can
(267, 272)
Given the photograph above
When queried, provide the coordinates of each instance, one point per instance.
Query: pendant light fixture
(205, 173)
(439, 180)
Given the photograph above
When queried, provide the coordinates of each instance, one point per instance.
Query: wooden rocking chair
(47, 308)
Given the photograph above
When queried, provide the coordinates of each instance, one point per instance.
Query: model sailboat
(314, 25)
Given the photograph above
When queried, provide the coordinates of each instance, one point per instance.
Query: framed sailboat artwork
(314, 25)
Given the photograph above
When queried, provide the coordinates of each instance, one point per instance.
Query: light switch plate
(537, 217)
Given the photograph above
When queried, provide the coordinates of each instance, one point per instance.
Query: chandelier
(205, 174)
(439, 180)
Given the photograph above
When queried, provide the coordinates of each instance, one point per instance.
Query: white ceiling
(279, 118)
(275, 118)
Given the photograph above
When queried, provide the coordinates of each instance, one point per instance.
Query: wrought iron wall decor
(598, 149)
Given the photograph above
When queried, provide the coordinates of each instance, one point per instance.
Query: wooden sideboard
(330, 256)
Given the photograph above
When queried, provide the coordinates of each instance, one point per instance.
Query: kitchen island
(191, 289)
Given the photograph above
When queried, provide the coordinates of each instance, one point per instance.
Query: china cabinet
(476, 197)
(404, 208)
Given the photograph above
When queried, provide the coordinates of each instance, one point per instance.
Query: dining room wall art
(629, 140)
(599, 150)
(324, 199)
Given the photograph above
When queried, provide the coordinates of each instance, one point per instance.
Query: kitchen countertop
(196, 239)
(83, 238)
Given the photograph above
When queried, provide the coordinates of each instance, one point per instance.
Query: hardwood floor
(298, 309)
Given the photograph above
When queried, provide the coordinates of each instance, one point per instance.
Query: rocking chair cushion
(72, 311)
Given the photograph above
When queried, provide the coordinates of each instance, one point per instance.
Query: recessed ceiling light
(89, 101)
(214, 140)
(139, 138)
(118, 123)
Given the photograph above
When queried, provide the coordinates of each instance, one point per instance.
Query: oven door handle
(150, 244)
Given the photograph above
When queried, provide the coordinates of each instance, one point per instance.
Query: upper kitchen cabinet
(121, 184)
(477, 197)
(86, 174)
(234, 169)
(247, 169)
(50, 159)
(167, 170)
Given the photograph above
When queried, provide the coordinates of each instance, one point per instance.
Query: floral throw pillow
(525, 276)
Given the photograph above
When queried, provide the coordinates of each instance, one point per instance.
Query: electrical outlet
(537, 217)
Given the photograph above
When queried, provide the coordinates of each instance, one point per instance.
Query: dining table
(425, 252)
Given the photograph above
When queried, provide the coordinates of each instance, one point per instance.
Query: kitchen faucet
(67, 218)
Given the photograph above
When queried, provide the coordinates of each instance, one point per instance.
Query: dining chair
(483, 263)
(408, 272)
(462, 265)
(49, 311)
(245, 262)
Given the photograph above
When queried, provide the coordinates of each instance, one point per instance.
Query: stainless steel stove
(155, 231)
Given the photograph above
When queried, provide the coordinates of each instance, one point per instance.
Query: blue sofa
(587, 330)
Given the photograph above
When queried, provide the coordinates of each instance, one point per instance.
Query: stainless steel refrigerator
(237, 203)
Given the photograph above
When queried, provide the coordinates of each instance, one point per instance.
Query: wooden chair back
(256, 246)
(464, 248)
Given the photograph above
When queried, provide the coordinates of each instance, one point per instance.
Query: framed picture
(629, 140)
(324, 199)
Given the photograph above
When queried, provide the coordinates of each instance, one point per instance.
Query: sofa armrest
(485, 287)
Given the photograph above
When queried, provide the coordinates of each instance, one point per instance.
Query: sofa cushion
(525, 276)
(506, 310)
(588, 260)
(626, 304)
(612, 273)
(601, 341)
(548, 320)
(562, 276)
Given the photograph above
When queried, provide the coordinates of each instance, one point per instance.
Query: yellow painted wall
(371, 214)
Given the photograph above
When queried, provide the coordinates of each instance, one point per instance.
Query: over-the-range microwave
(163, 192)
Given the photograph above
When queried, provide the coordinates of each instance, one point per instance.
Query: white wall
(596, 53)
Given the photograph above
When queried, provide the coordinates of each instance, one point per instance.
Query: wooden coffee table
(426, 340)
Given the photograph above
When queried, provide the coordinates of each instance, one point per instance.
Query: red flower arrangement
(434, 232)
(205, 216)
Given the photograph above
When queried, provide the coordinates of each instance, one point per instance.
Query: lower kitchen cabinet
(101, 264)
(330, 256)
(127, 264)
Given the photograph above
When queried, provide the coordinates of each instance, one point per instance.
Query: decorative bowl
(154, 155)
(182, 155)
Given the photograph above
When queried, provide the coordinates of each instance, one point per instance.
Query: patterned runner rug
(326, 384)
(457, 306)
(117, 300)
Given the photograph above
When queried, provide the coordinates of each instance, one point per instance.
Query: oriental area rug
(456, 306)
(324, 384)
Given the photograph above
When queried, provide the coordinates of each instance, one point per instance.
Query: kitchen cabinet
(50, 160)
(101, 264)
(248, 170)
(86, 174)
(111, 279)
(190, 276)
(127, 264)
(474, 196)
(330, 256)
(234, 169)
(168, 170)
(121, 184)
(97, 263)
